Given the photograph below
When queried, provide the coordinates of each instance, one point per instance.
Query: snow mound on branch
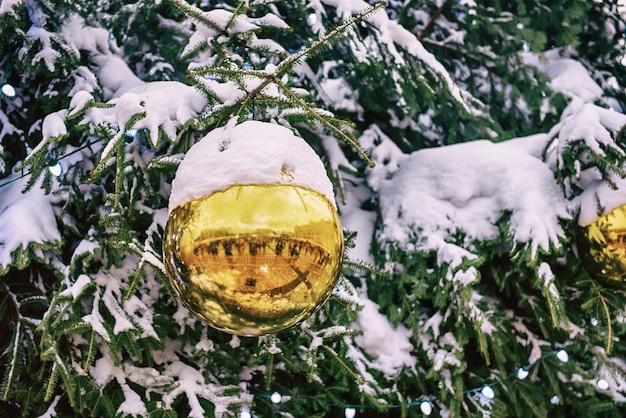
(397, 38)
(8, 6)
(389, 347)
(223, 20)
(467, 188)
(25, 218)
(567, 75)
(79, 36)
(249, 153)
(596, 127)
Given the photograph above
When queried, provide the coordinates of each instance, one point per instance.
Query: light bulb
(276, 397)
(8, 90)
(522, 373)
(426, 408)
(562, 355)
(602, 384)
(350, 412)
(488, 392)
(55, 168)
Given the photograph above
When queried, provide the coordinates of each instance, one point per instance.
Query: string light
(55, 168)
(54, 165)
(245, 413)
(426, 408)
(8, 90)
(350, 412)
(562, 355)
(488, 392)
(522, 373)
(276, 397)
(602, 384)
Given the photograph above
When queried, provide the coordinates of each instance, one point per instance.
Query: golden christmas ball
(602, 247)
(252, 258)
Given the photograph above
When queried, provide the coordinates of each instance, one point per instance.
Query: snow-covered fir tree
(469, 145)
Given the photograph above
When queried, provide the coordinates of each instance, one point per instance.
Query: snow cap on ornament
(249, 153)
(601, 240)
(253, 243)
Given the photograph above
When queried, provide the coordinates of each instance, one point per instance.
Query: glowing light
(8, 90)
(488, 392)
(245, 414)
(350, 412)
(555, 400)
(55, 168)
(276, 397)
(426, 408)
(522, 373)
(602, 384)
(563, 356)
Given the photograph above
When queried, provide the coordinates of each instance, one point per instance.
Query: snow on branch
(389, 347)
(25, 218)
(7, 128)
(393, 34)
(467, 189)
(193, 385)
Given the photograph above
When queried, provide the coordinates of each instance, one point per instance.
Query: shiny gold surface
(602, 247)
(254, 259)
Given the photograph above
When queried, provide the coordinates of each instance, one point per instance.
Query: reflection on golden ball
(254, 259)
(602, 247)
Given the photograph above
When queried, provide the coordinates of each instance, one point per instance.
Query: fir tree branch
(290, 61)
(312, 362)
(609, 333)
(603, 162)
(196, 14)
(359, 379)
(91, 351)
(119, 169)
(12, 371)
(134, 279)
(241, 8)
(325, 122)
(269, 371)
(431, 22)
(52, 382)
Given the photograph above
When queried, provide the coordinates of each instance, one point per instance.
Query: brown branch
(431, 22)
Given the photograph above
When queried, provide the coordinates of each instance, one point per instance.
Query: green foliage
(89, 325)
(264, 94)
